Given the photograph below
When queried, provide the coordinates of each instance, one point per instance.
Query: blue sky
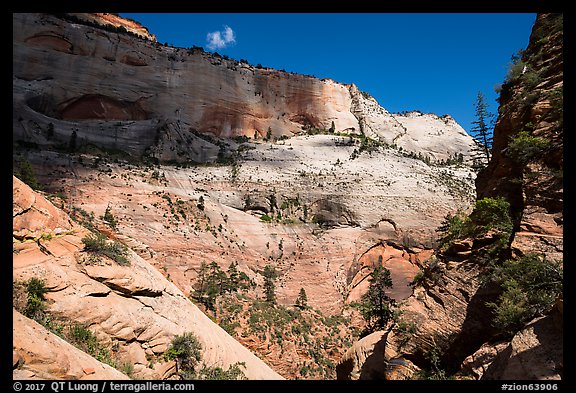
(408, 61)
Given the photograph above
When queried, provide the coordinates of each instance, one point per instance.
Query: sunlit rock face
(132, 307)
(119, 94)
(128, 91)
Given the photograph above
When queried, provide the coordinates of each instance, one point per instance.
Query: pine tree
(212, 281)
(302, 299)
(109, 217)
(201, 283)
(481, 130)
(375, 305)
(270, 275)
(218, 281)
(233, 277)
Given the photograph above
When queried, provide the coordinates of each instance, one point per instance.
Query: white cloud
(220, 39)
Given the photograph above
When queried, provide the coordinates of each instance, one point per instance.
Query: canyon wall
(125, 92)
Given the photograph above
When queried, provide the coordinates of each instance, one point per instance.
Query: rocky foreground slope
(131, 308)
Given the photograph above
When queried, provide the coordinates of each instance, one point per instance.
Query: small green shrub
(491, 214)
(109, 218)
(97, 244)
(266, 218)
(200, 204)
(84, 218)
(80, 336)
(234, 372)
(185, 349)
(35, 306)
(515, 67)
(435, 371)
(419, 277)
(524, 147)
(127, 368)
(25, 173)
(530, 287)
(454, 227)
(531, 79)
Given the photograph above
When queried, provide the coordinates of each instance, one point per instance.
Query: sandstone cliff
(91, 106)
(132, 309)
(115, 21)
(141, 97)
(447, 328)
(527, 164)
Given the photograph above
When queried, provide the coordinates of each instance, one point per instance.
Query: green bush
(35, 306)
(109, 218)
(491, 214)
(84, 218)
(515, 67)
(454, 227)
(531, 80)
(530, 287)
(185, 349)
(25, 173)
(81, 337)
(435, 370)
(488, 214)
(419, 277)
(97, 244)
(524, 147)
(266, 218)
(217, 373)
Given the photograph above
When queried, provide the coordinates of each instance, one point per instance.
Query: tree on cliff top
(481, 130)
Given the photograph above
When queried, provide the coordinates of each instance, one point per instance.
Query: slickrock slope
(40, 354)
(132, 308)
(330, 215)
